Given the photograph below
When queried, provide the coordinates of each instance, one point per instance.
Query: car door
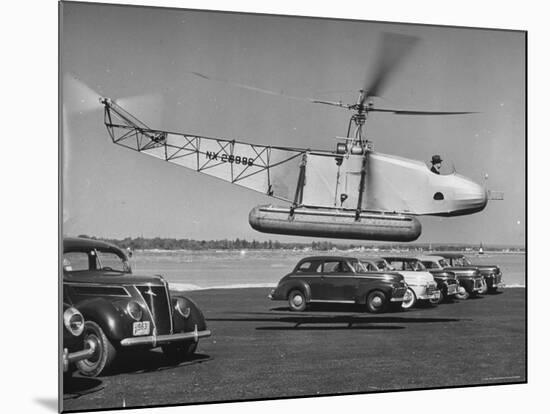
(337, 282)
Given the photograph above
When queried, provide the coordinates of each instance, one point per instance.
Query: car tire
(442, 297)
(411, 301)
(462, 294)
(104, 355)
(179, 352)
(484, 288)
(297, 301)
(377, 302)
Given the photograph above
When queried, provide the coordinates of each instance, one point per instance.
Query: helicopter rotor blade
(339, 104)
(391, 51)
(406, 112)
(248, 87)
(79, 97)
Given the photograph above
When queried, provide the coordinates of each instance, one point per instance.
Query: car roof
(71, 243)
(452, 255)
(328, 257)
(430, 257)
(409, 258)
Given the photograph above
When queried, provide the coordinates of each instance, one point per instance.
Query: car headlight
(135, 310)
(183, 310)
(74, 321)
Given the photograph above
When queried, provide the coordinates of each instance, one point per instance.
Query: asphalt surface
(261, 350)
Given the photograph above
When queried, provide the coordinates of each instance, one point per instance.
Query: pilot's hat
(436, 159)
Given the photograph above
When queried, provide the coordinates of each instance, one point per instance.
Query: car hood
(111, 278)
(413, 278)
(488, 268)
(463, 271)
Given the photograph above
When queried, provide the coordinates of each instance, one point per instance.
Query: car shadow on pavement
(137, 362)
(77, 386)
(313, 322)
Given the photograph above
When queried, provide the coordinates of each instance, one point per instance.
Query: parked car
(469, 277)
(447, 284)
(332, 279)
(422, 285)
(122, 310)
(74, 346)
(491, 273)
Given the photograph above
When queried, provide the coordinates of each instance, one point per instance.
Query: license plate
(451, 290)
(141, 328)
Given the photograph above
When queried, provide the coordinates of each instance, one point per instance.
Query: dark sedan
(331, 279)
(491, 273)
(469, 277)
(122, 310)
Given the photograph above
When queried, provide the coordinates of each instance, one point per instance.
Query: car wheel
(484, 288)
(440, 299)
(296, 301)
(409, 299)
(377, 302)
(104, 354)
(178, 352)
(462, 294)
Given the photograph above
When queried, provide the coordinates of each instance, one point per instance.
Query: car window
(444, 263)
(75, 261)
(336, 266)
(418, 266)
(361, 267)
(397, 265)
(111, 261)
(309, 267)
(383, 265)
(367, 266)
(429, 265)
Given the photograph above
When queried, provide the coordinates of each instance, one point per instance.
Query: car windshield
(444, 263)
(417, 265)
(461, 262)
(95, 260)
(430, 264)
(361, 267)
(383, 265)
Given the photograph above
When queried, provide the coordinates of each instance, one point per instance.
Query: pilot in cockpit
(436, 164)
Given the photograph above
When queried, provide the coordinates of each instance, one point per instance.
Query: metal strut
(361, 186)
(299, 195)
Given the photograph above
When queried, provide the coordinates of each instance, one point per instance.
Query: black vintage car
(74, 347)
(469, 277)
(332, 279)
(491, 273)
(123, 310)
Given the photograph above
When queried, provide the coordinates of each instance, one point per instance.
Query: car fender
(365, 289)
(112, 319)
(195, 318)
(290, 285)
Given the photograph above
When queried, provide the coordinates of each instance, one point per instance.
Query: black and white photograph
(261, 206)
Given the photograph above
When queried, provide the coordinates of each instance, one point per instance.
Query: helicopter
(350, 192)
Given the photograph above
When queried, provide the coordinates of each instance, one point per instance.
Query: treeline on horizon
(161, 243)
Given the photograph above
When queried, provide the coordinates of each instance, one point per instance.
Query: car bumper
(156, 340)
(72, 357)
(452, 290)
(424, 293)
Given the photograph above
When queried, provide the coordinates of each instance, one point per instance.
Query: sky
(144, 56)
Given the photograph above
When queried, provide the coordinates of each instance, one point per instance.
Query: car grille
(498, 278)
(451, 289)
(157, 301)
(430, 290)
